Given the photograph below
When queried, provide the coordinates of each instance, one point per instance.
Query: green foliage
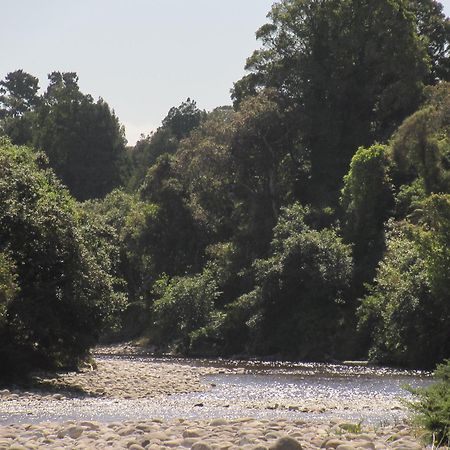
(433, 406)
(367, 201)
(18, 94)
(205, 167)
(408, 197)
(146, 151)
(202, 244)
(350, 72)
(178, 239)
(300, 291)
(132, 221)
(421, 146)
(434, 30)
(66, 291)
(83, 139)
(185, 305)
(8, 284)
(183, 119)
(177, 125)
(407, 308)
(261, 147)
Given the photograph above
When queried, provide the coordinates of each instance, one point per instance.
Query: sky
(141, 56)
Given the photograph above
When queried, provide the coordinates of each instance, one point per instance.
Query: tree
(205, 167)
(18, 94)
(300, 291)
(18, 101)
(367, 200)
(183, 119)
(265, 159)
(421, 145)
(407, 309)
(176, 240)
(350, 72)
(433, 406)
(83, 139)
(59, 280)
(434, 29)
(177, 125)
(185, 305)
(8, 285)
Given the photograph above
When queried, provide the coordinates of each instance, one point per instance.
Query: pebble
(118, 379)
(214, 434)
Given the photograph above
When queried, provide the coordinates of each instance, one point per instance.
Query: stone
(218, 422)
(286, 443)
(126, 431)
(189, 433)
(157, 436)
(367, 445)
(75, 432)
(332, 443)
(201, 446)
(189, 442)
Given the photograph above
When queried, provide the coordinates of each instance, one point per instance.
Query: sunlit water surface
(259, 389)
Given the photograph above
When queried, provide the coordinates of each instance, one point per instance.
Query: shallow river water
(252, 389)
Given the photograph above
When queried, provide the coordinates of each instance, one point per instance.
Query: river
(298, 391)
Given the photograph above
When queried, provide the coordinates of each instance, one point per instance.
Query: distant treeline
(309, 221)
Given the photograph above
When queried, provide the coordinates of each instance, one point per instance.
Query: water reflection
(247, 388)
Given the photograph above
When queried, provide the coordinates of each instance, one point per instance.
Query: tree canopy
(310, 220)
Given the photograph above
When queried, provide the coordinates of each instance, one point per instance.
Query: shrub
(58, 288)
(433, 406)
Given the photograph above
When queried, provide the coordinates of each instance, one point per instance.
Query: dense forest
(308, 221)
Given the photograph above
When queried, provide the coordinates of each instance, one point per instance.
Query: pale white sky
(141, 56)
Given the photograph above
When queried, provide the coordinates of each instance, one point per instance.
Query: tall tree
(434, 29)
(18, 94)
(183, 119)
(18, 100)
(350, 70)
(177, 125)
(367, 201)
(83, 139)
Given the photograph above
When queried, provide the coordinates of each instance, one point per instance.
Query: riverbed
(136, 389)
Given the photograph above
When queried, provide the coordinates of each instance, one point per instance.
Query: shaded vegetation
(433, 407)
(311, 220)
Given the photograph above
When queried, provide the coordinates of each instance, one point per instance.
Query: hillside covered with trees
(308, 221)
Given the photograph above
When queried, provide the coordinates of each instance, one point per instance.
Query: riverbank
(197, 406)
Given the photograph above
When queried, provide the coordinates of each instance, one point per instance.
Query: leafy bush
(300, 289)
(433, 406)
(367, 200)
(61, 262)
(407, 309)
(185, 305)
(8, 285)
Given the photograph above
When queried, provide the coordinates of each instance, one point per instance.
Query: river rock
(135, 447)
(218, 422)
(332, 443)
(193, 433)
(286, 443)
(201, 446)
